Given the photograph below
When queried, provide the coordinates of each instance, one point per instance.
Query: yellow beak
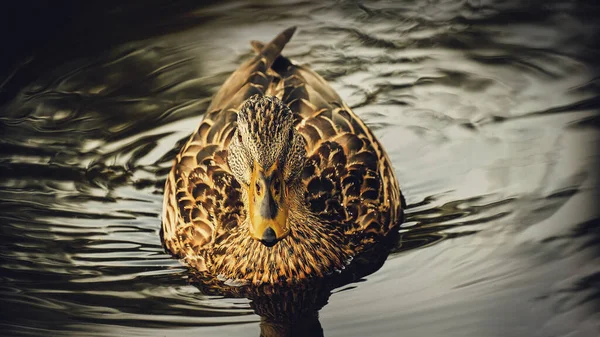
(268, 210)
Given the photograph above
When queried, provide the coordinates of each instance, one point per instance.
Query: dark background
(51, 29)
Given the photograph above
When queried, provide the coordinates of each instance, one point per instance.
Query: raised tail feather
(237, 87)
(272, 50)
(279, 63)
(257, 46)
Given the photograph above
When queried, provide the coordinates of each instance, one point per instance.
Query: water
(489, 111)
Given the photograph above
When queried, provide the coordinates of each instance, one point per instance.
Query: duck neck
(313, 248)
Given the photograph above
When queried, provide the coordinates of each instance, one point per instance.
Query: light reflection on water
(489, 112)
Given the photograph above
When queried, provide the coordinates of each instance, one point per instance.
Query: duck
(281, 182)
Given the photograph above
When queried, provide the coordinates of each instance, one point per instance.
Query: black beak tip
(269, 237)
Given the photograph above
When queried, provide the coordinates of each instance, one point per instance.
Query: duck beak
(268, 210)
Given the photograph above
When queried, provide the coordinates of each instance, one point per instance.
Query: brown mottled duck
(281, 182)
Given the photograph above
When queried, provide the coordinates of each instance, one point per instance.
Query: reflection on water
(489, 111)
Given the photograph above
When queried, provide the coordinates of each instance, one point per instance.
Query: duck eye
(239, 137)
(257, 188)
(276, 185)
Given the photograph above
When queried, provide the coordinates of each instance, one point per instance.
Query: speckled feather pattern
(349, 195)
(266, 122)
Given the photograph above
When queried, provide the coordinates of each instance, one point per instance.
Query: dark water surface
(489, 110)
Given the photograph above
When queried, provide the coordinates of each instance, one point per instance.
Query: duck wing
(348, 176)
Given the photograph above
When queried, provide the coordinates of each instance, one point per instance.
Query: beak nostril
(269, 237)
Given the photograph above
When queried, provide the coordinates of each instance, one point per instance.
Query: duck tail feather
(257, 46)
(273, 49)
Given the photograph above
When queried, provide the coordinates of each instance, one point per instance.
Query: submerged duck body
(281, 182)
